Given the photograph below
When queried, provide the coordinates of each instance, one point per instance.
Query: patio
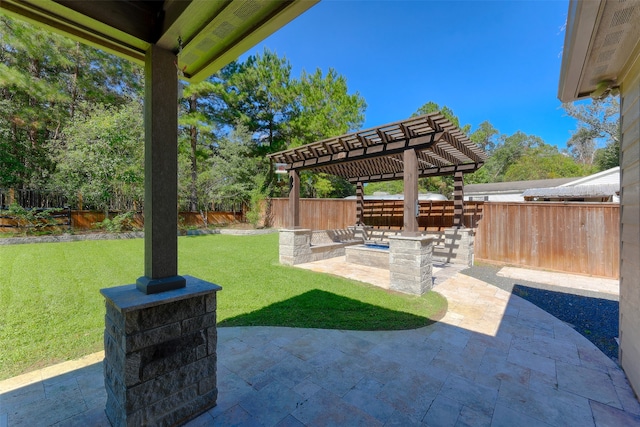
(494, 359)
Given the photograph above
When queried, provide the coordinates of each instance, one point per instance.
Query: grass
(51, 309)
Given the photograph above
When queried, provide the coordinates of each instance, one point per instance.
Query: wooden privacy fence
(35, 220)
(87, 220)
(328, 214)
(579, 238)
(316, 214)
(434, 215)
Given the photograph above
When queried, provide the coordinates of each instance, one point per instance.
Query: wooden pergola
(418, 147)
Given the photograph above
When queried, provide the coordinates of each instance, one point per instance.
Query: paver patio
(494, 359)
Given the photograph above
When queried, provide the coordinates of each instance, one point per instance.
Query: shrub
(119, 223)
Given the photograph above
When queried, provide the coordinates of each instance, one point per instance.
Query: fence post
(12, 197)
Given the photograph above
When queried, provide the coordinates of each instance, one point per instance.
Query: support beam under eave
(160, 174)
(410, 222)
(294, 199)
(458, 200)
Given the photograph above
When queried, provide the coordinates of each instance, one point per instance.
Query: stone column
(410, 264)
(458, 200)
(160, 354)
(295, 246)
(160, 173)
(410, 222)
(294, 199)
(160, 333)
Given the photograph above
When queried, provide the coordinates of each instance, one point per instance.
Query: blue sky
(486, 60)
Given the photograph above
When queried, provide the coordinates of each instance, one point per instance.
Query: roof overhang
(602, 41)
(213, 32)
(376, 154)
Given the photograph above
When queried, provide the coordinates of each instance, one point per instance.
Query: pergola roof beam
(423, 173)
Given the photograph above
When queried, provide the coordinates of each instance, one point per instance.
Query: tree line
(71, 122)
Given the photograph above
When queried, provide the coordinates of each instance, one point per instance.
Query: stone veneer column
(410, 264)
(295, 246)
(160, 354)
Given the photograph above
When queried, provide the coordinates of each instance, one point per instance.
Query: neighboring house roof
(513, 187)
(576, 192)
(421, 196)
(599, 185)
(610, 176)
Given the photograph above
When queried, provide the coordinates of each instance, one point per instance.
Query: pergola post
(458, 200)
(359, 203)
(294, 199)
(410, 222)
(160, 174)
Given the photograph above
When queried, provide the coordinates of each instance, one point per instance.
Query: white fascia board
(582, 20)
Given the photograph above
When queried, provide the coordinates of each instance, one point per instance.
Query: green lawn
(51, 309)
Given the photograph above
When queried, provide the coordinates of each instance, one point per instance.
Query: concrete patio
(494, 359)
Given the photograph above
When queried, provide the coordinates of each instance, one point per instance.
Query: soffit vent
(621, 17)
(247, 9)
(612, 39)
(615, 39)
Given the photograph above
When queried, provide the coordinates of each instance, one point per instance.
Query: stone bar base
(410, 264)
(454, 246)
(160, 354)
(296, 248)
(370, 257)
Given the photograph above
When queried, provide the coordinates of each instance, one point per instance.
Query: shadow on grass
(594, 318)
(325, 310)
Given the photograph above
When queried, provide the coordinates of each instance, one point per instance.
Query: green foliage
(438, 185)
(608, 157)
(432, 107)
(391, 187)
(100, 155)
(44, 81)
(32, 221)
(257, 201)
(279, 111)
(258, 95)
(485, 137)
(598, 128)
(234, 171)
(324, 108)
(122, 222)
(545, 162)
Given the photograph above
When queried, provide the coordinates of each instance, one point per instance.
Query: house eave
(601, 43)
(581, 26)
